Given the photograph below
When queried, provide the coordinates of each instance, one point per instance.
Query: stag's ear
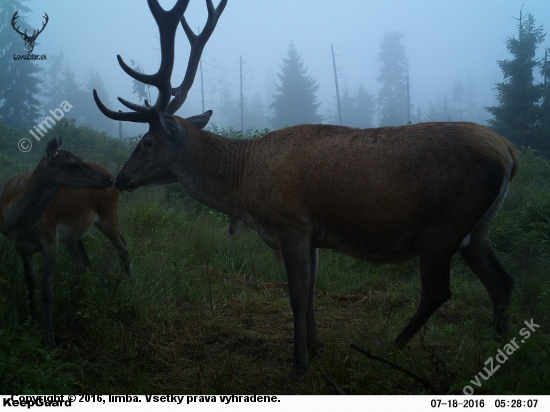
(51, 149)
(201, 120)
(59, 141)
(168, 124)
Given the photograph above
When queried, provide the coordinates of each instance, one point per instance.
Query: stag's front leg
(312, 338)
(49, 259)
(296, 253)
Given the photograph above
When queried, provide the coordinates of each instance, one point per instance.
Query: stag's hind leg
(483, 261)
(485, 264)
(435, 263)
(435, 279)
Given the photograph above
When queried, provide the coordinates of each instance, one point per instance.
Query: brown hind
(59, 202)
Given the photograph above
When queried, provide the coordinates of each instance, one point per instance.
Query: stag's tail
(515, 159)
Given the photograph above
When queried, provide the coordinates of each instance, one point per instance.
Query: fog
(444, 40)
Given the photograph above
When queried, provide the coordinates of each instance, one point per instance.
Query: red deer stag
(40, 209)
(383, 195)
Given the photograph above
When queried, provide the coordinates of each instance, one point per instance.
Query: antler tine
(137, 117)
(197, 43)
(167, 22)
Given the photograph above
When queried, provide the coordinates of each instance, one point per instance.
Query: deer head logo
(29, 40)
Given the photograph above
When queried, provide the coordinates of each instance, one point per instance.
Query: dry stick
(427, 384)
(338, 388)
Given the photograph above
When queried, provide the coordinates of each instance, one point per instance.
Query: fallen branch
(427, 384)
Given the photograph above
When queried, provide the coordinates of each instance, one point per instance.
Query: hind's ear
(201, 120)
(51, 149)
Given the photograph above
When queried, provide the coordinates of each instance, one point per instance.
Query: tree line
(522, 113)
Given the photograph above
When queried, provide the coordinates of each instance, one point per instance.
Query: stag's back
(373, 186)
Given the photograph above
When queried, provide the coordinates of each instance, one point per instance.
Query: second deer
(40, 209)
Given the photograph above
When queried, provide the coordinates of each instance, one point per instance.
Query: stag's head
(29, 40)
(149, 164)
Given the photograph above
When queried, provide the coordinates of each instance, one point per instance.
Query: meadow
(208, 313)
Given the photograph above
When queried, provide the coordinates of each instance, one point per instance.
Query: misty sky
(445, 40)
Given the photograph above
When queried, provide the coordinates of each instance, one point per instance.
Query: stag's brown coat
(383, 195)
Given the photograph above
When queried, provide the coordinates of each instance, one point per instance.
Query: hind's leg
(111, 232)
(78, 253)
(30, 277)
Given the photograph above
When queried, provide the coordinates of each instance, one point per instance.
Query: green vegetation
(205, 313)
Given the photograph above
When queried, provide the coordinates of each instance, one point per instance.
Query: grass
(204, 313)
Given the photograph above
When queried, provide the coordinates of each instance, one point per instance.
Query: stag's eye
(148, 144)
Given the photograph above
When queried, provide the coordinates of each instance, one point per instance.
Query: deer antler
(167, 21)
(197, 43)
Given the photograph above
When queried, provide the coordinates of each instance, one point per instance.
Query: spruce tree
(19, 83)
(51, 88)
(73, 93)
(392, 97)
(255, 113)
(358, 109)
(542, 131)
(364, 108)
(457, 95)
(295, 101)
(517, 113)
(91, 113)
(229, 109)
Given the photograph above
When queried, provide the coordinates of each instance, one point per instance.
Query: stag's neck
(24, 211)
(212, 171)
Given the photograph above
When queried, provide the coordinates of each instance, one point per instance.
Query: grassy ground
(206, 313)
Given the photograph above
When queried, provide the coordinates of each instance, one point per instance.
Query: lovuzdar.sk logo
(29, 39)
